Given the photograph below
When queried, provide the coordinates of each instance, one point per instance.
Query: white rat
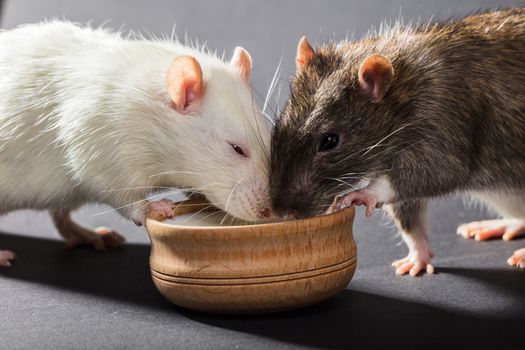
(89, 116)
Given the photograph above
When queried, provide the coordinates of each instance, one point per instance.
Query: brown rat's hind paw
(506, 229)
(517, 259)
(6, 258)
(100, 239)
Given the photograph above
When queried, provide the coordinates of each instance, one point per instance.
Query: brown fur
(452, 120)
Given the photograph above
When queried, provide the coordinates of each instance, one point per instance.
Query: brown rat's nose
(290, 214)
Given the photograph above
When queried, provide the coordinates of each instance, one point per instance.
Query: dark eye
(328, 141)
(238, 149)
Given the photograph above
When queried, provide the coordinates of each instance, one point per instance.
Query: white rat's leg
(6, 257)
(410, 218)
(76, 235)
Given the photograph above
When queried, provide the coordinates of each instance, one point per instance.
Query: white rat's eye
(238, 150)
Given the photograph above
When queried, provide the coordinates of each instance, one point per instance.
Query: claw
(517, 259)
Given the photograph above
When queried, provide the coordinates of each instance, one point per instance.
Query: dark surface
(53, 298)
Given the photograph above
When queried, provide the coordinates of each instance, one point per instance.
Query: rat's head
(331, 138)
(216, 139)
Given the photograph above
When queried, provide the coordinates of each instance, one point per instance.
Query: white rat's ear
(184, 80)
(304, 53)
(242, 61)
(375, 76)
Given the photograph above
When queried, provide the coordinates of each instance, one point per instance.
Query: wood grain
(253, 268)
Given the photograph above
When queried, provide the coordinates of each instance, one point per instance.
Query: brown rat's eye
(328, 141)
(238, 150)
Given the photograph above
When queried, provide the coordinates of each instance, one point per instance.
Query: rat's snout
(292, 206)
(290, 215)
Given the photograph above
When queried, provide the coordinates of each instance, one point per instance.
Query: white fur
(509, 204)
(85, 112)
(381, 189)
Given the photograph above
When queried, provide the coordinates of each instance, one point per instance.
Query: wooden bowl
(253, 268)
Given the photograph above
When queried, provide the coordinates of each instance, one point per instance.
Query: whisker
(197, 212)
(229, 198)
(174, 172)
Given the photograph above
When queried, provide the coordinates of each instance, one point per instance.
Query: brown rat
(405, 115)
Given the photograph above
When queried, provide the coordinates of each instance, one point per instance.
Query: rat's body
(416, 113)
(88, 116)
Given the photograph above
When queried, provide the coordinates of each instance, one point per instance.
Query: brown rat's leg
(6, 257)
(76, 235)
(410, 218)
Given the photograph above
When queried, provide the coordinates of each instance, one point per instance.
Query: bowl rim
(337, 215)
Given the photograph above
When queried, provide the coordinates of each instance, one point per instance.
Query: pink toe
(404, 268)
(485, 234)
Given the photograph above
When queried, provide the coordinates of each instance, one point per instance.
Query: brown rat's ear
(242, 61)
(375, 76)
(184, 80)
(304, 53)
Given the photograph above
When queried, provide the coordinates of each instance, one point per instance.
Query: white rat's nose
(266, 213)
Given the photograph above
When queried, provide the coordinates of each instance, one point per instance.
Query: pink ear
(242, 61)
(184, 80)
(375, 76)
(304, 53)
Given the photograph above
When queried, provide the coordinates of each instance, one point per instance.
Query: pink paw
(418, 260)
(517, 259)
(160, 210)
(413, 266)
(6, 258)
(506, 229)
(100, 239)
(361, 197)
(110, 238)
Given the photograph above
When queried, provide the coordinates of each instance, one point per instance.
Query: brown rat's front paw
(517, 259)
(417, 261)
(6, 258)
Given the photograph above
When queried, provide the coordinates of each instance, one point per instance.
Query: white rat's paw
(100, 239)
(160, 210)
(417, 260)
(517, 259)
(506, 229)
(6, 258)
